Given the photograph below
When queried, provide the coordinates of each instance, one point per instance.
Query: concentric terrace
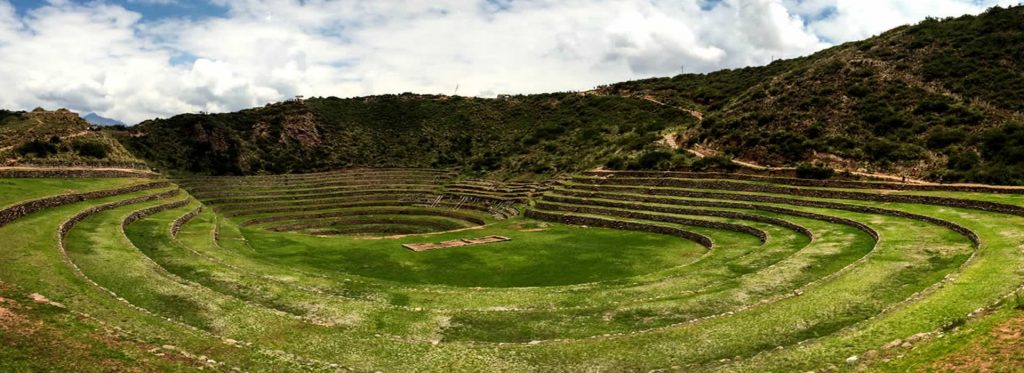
(601, 270)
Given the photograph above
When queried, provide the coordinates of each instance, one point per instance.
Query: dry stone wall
(621, 225)
(628, 214)
(11, 213)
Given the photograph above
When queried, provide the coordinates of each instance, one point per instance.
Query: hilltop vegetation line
(940, 100)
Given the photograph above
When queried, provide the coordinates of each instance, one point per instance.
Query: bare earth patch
(1001, 351)
(454, 243)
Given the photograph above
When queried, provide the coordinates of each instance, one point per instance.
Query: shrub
(954, 324)
(814, 171)
(656, 159)
(963, 160)
(942, 137)
(616, 163)
(90, 149)
(37, 147)
(717, 162)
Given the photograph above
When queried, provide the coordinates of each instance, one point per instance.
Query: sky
(134, 60)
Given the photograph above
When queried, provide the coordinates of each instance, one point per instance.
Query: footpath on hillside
(670, 140)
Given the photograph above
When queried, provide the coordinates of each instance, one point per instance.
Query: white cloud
(101, 57)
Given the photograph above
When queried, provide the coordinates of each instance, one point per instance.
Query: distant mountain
(96, 119)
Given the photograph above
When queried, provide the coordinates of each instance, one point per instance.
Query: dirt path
(694, 113)
(873, 175)
(71, 136)
(670, 140)
(1002, 349)
(746, 164)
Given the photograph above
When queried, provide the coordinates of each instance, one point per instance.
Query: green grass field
(603, 272)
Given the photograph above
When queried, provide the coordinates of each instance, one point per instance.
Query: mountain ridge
(941, 100)
(100, 120)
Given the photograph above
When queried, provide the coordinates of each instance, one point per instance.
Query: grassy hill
(538, 134)
(59, 137)
(939, 100)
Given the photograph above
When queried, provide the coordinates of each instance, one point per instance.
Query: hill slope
(943, 98)
(940, 100)
(58, 138)
(538, 134)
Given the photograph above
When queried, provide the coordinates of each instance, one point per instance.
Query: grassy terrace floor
(597, 276)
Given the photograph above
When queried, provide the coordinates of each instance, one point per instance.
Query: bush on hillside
(814, 171)
(716, 163)
(37, 147)
(90, 149)
(653, 160)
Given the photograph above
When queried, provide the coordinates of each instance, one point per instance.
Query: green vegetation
(635, 268)
(791, 281)
(814, 171)
(538, 134)
(932, 100)
(58, 138)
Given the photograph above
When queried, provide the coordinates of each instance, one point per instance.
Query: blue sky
(138, 59)
(150, 9)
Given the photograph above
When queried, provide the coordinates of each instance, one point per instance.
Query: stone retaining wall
(11, 213)
(138, 215)
(91, 164)
(66, 227)
(318, 196)
(321, 224)
(338, 214)
(813, 193)
(848, 184)
(799, 202)
(684, 211)
(365, 230)
(327, 175)
(734, 205)
(621, 225)
(74, 173)
(184, 219)
(245, 191)
(226, 209)
(761, 235)
(236, 213)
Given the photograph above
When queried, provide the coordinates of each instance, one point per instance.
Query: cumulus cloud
(101, 56)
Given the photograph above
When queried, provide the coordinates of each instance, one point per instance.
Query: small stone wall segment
(184, 219)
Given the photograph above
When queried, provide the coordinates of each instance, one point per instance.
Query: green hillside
(60, 138)
(940, 100)
(539, 134)
(943, 97)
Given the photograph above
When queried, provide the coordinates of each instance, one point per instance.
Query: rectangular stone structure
(417, 247)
